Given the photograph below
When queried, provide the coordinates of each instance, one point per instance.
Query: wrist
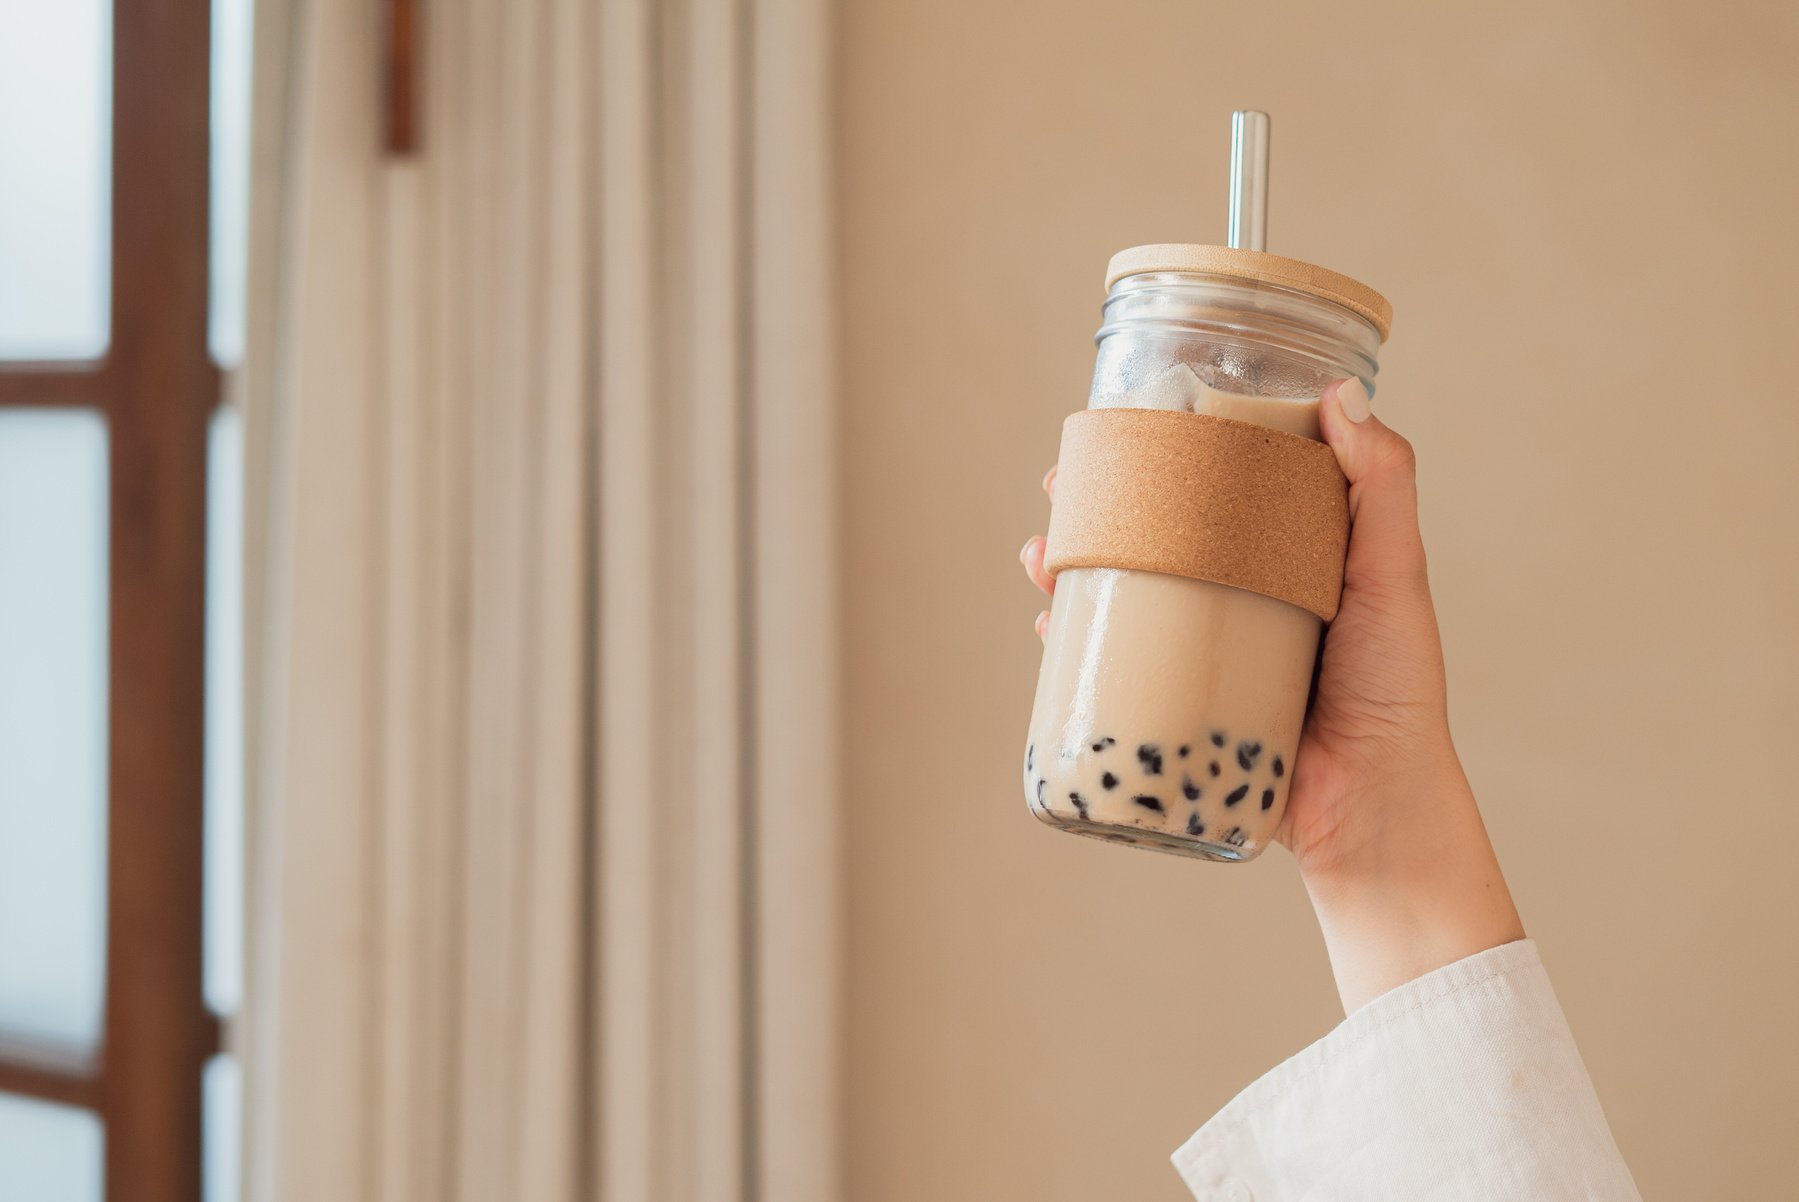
(1421, 888)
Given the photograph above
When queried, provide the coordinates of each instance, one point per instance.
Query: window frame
(156, 387)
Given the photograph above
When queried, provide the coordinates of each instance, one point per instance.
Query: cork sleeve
(1209, 498)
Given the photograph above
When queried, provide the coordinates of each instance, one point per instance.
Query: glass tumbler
(1168, 709)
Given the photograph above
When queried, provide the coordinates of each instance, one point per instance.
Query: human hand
(1380, 816)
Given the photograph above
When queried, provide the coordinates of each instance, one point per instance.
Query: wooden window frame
(157, 388)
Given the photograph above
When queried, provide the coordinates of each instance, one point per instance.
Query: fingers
(1031, 555)
(1032, 558)
(1385, 549)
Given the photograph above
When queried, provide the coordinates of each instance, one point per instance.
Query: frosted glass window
(48, 1152)
(225, 712)
(53, 599)
(222, 1096)
(55, 177)
(231, 29)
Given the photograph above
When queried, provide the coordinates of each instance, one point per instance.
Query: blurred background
(512, 657)
(1581, 215)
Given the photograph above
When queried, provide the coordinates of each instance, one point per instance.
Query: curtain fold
(542, 458)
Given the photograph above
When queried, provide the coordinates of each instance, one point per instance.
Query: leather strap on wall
(1210, 498)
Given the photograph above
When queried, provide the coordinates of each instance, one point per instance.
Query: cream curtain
(541, 459)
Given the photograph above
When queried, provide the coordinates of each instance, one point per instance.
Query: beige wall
(1585, 217)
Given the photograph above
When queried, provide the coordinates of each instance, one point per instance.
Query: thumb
(1386, 552)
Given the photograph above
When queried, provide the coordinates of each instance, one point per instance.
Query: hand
(1380, 816)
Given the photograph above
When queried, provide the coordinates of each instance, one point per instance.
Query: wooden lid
(1259, 266)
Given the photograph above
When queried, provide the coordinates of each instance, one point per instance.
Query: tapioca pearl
(1040, 783)
(1150, 756)
(1148, 802)
(1195, 827)
(1104, 743)
(1246, 755)
(1218, 738)
(1080, 804)
(1235, 836)
(1236, 795)
(1189, 788)
(1280, 769)
(1214, 769)
(1028, 753)
(1185, 748)
(1267, 799)
(1108, 780)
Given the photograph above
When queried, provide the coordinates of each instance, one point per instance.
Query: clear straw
(1249, 180)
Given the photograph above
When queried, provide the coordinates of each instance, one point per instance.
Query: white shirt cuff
(1464, 1084)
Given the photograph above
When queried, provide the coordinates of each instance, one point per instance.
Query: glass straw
(1249, 180)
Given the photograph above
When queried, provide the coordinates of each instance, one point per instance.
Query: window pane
(224, 713)
(55, 150)
(53, 597)
(48, 1152)
(223, 1092)
(231, 25)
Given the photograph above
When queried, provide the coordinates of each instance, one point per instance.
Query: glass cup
(1168, 710)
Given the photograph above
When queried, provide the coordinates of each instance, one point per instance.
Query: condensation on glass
(55, 178)
(53, 624)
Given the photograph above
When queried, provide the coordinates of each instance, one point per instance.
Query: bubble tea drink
(1169, 704)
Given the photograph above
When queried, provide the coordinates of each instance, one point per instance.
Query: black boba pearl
(1184, 750)
(1028, 752)
(1215, 769)
(1148, 803)
(1280, 769)
(1080, 804)
(1218, 738)
(1234, 836)
(1267, 799)
(1246, 755)
(1195, 827)
(1104, 743)
(1150, 756)
(1236, 795)
(1189, 788)
(1109, 781)
(1040, 784)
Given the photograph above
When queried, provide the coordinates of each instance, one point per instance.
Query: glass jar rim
(1249, 314)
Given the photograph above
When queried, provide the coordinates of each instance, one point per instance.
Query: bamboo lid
(1257, 265)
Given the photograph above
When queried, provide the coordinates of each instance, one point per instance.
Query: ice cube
(1178, 388)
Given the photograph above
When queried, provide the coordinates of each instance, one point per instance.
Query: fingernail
(1354, 399)
(1026, 549)
(1049, 481)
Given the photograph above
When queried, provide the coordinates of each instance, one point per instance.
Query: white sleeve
(1463, 1084)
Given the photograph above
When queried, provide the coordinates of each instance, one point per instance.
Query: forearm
(1423, 892)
